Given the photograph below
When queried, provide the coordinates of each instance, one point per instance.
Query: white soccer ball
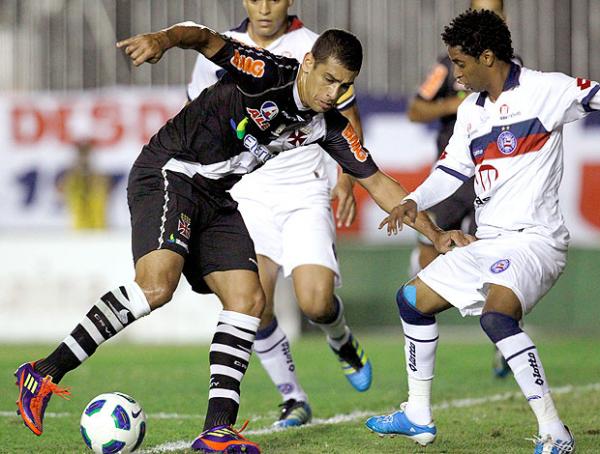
(113, 423)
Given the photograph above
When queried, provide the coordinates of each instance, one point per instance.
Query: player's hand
(148, 47)
(405, 211)
(346, 207)
(446, 241)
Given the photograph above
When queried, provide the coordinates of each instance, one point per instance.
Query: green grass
(173, 379)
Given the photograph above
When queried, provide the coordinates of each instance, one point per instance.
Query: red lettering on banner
(590, 193)
(110, 129)
(61, 123)
(27, 124)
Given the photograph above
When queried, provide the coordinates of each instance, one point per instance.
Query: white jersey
(514, 147)
(304, 164)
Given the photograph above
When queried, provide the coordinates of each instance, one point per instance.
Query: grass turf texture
(173, 380)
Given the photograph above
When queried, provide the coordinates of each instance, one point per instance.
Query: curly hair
(475, 31)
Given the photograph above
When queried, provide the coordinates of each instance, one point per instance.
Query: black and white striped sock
(229, 356)
(114, 311)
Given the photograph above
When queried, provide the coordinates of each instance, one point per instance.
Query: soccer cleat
(225, 439)
(500, 367)
(398, 424)
(34, 394)
(293, 413)
(547, 445)
(355, 364)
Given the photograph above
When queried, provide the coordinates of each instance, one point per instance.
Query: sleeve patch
(433, 83)
(354, 143)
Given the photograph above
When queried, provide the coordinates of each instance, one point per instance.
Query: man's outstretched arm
(150, 47)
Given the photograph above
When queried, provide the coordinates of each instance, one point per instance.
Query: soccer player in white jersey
(508, 135)
(286, 207)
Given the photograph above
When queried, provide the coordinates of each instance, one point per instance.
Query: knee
(406, 299)
(499, 326)
(247, 302)
(157, 292)
(317, 302)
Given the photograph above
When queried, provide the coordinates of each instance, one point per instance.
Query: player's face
(324, 82)
(267, 17)
(468, 71)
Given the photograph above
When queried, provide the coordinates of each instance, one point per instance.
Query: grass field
(474, 412)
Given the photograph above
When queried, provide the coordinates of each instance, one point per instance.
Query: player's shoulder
(534, 77)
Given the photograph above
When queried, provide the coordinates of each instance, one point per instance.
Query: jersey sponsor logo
(500, 266)
(268, 110)
(504, 109)
(486, 175)
(248, 65)
(583, 84)
(261, 152)
(507, 142)
(354, 143)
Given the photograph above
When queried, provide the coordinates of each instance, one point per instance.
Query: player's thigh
(456, 278)
(238, 290)
(426, 300)
(261, 222)
(309, 239)
(527, 264)
(503, 300)
(223, 244)
(314, 286)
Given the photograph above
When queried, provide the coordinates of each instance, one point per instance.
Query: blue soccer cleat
(293, 413)
(398, 424)
(355, 364)
(547, 445)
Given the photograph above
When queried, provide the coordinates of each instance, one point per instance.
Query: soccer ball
(113, 423)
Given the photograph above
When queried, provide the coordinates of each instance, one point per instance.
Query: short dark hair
(341, 45)
(475, 31)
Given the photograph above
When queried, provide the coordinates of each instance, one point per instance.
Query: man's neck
(266, 41)
(499, 80)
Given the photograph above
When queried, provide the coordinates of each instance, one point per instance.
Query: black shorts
(457, 212)
(169, 212)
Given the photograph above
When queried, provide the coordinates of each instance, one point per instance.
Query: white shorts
(292, 232)
(526, 263)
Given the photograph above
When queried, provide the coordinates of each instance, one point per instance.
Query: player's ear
(487, 57)
(308, 63)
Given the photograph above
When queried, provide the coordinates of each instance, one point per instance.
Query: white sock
(523, 358)
(273, 349)
(337, 331)
(419, 349)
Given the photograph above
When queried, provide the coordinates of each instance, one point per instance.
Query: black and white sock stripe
(229, 356)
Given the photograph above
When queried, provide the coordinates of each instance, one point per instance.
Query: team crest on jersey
(500, 266)
(297, 138)
(504, 109)
(507, 142)
(184, 226)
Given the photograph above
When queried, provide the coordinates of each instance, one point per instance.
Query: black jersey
(249, 116)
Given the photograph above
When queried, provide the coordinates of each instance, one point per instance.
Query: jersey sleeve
(347, 100)
(434, 84)
(568, 99)
(342, 144)
(205, 74)
(254, 70)
(456, 158)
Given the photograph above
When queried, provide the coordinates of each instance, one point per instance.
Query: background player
(184, 221)
(438, 99)
(286, 207)
(509, 135)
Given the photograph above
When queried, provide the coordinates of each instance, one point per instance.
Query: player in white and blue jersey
(508, 135)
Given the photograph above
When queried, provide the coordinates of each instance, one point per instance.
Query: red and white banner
(38, 132)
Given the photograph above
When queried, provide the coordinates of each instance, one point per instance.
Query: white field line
(337, 419)
(357, 415)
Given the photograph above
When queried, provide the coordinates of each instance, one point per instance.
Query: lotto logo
(248, 65)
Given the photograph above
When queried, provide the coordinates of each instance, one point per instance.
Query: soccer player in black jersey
(184, 221)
